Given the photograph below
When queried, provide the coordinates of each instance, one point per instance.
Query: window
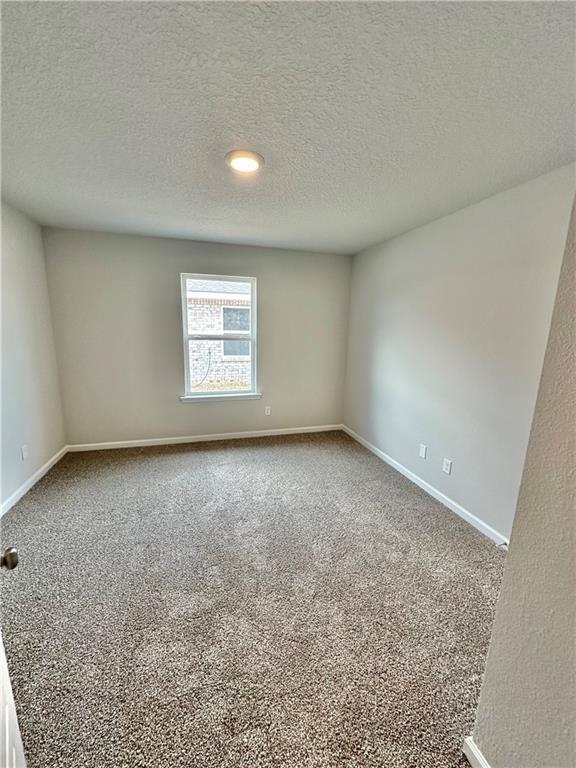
(235, 319)
(219, 319)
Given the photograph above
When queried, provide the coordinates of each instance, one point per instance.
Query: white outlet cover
(267, 410)
(423, 451)
(447, 466)
(24, 452)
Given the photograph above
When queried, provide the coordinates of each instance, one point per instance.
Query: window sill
(222, 397)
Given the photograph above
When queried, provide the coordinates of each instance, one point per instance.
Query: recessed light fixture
(244, 161)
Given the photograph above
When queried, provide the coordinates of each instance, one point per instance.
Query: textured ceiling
(373, 117)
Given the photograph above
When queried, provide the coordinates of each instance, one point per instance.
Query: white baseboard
(473, 754)
(480, 525)
(32, 480)
(202, 438)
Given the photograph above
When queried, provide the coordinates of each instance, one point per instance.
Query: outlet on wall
(24, 452)
(267, 410)
(447, 466)
(423, 451)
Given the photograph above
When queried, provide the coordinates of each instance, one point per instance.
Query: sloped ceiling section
(373, 117)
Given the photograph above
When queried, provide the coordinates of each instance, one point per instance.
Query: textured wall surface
(448, 328)
(373, 117)
(118, 324)
(526, 716)
(31, 409)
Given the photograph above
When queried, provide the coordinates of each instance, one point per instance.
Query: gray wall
(447, 333)
(31, 410)
(117, 319)
(526, 715)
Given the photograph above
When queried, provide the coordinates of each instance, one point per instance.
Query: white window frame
(251, 394)
(233, 358)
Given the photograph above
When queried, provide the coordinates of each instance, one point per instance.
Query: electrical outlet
(267, 410)
(423, 451)
(24, 452)
(447, 466)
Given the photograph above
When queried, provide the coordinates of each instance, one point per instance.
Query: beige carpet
(276, 602)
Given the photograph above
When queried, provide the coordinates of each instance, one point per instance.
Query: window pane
(235, 319)
(236, 348)
(212, 371)
(215, 306)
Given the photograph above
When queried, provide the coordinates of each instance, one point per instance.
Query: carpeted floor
(289, 602)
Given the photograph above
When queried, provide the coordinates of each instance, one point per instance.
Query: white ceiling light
(244, 161)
